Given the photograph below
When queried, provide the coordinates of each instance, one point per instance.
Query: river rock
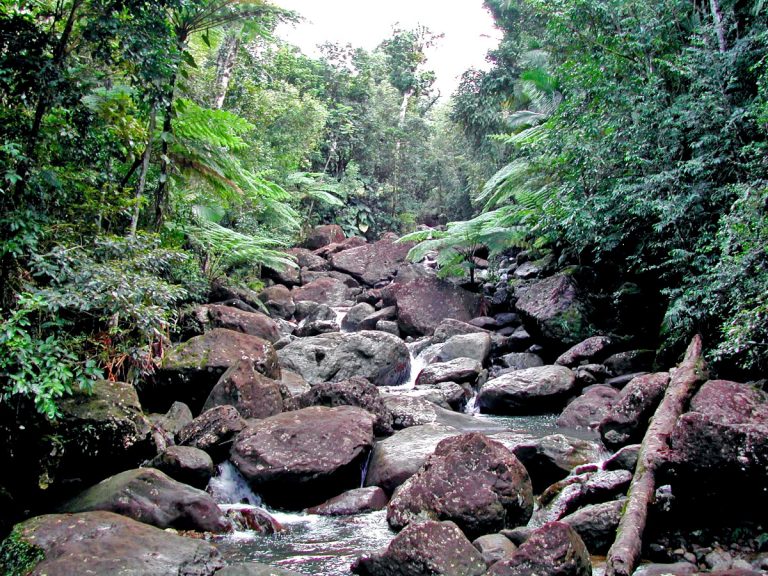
(372, 263)
(627, 420)
(255, 569)
(346, 244)
(425, 549)
(552, 458)
(190, 370)
(178, 416)
(252, 323)
(327, 290)
(521, 360)
(279, 301)
(556, 310)
(590, 351)
(109, 543)
(308, 276)
(400, 456)
(357, 501)
(630, 362)
(293, 385)
(624, 459)
(372, 320)
(251, 393)
(298, 459)
(185, 464)
(425, 302)
(308, 260)
(381, 358)
(475, 346)
(324, 235)
(448, 395)
(529, 391)
(356, 391)
(355, 315)
(589, 409)
(471, 480)
(213, 431)
(596, 524)
(414, 411)
(449, 327)
(555, 549)
(457, 370)
(150, 496)
(494, 547)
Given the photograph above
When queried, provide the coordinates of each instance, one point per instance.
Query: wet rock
(551, 458)
(321, 236)
(521, 360)
(627, 420)
(357, 501)
(356, 391)
(190, 370)
(494, 547)
(676, 569)
(178, 416)
(372, 263)
(255, 569)
(590, 351)
(529, 391)
(624, 459)
(381, 358)
(150, 496)
(596, 524)
(400, 456)
(556, 310)
(213, 431)
(372, 320)
(185, 464)
(252, 323)
(109, 543)
(425, 549)
(424, 303)
(410, 411)
(589, 374)
(458, 370)
(630, 362)
(470, 480)
(308, 329)
(327, 290)
(449, 395)
(555, 549)
(388, 326)
(475, 346)
(589, 409)
(356, 315)
(298, 459)
(450, 327)
(279, 301)
(251, 393)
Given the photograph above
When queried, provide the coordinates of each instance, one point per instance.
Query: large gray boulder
(425, 549)
(150, 496)
(301, 458)
(106, 543)
(381, 358)
(252, 323)
(529, 391)
(372, 263)
(471, 480)
(475, 346)
(250, 392)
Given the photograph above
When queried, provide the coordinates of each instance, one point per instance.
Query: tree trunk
(625, 552)
(225, 64)
(144, 169)
(161, 194)
(717, 17)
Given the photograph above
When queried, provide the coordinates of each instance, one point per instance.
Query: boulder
(457, 370)
(471, 480)
(308, 276)
(410, 411)
(475, 346)
(255, 569)
(106, 543)
(521, 360)
(381, 358)
(308, 260)
(590, 351)
(213, 431)
(251, 393)
(298, 459)
(351, 242)
(555, 549)
(372, 263)
(356, 391)
(555, 310)
(494, 547)
(627, 420)
(400, 456)
(552, 458)
(252, 323)
(324, 235)
(279, 301)
(372, 320)
(357, 501)
(328, 291)
(589, 409)
(388, 326)
(150, 496)
(355, 315)
(529, 391)
(449, 327)
(293, 385)
(190, 370)
(448, 395)
(624, 459)
(674, 569)
(425, 302)
(630, 362)
(425, 549)
(185, 464)
(178, 416)
(596, 524)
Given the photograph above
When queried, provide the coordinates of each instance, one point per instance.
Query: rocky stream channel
(381, 421)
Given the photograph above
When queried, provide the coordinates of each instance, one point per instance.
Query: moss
(17, 556)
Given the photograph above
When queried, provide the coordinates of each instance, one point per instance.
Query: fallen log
(625, 552)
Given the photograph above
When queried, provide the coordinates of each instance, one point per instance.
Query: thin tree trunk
(144, 169)
(161, 194)
(404, 107)
(625, 552)
(717, 16)
(225, 65)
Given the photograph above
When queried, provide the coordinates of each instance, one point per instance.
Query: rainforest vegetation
(150, 149)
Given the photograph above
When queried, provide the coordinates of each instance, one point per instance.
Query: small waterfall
(471, 405)
(341, 312)
(364, 470)
(229, 487)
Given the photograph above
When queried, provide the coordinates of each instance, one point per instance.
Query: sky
(468, 28)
